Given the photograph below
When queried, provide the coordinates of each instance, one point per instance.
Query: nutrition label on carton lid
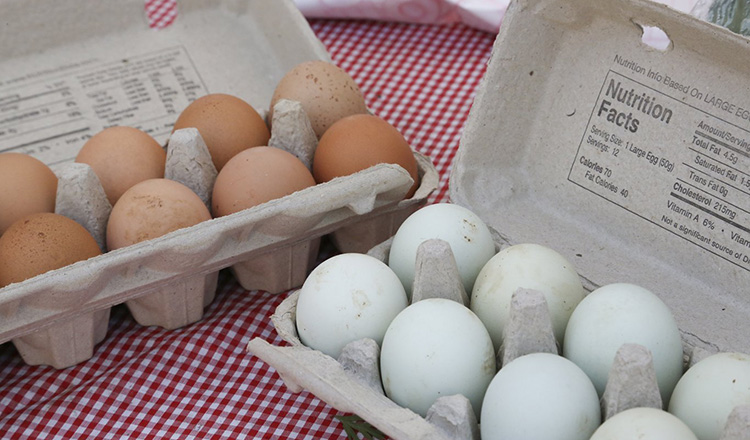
(51, 113)
(672, 153)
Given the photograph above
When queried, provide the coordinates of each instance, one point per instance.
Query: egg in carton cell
(352, 382)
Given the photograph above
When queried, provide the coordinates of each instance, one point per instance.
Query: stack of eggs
(124, 188)
(515, 335)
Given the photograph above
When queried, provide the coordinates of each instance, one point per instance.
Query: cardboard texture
(630, 161)
(101, 66)
(650, 190)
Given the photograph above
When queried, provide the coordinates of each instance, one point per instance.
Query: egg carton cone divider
(66, 343)
(136, 270)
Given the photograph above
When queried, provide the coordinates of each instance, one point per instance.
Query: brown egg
(326, 92)
(41, 242)
(256, 176)
(151, 209)
(226, 123)
(122, 157)
(27, 186)
(358, 142)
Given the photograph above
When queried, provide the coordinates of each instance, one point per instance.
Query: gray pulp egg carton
(631, 160)
(101, 66)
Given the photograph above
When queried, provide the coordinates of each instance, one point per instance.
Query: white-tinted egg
(470, 240)
(708, 392)
(346, 298)
(643, 424)
(436, 347)
(528, 266)
(540, 396)
(620, 313)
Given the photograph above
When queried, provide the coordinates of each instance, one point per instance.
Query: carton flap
(632, 162)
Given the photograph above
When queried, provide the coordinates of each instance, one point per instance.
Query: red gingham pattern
(161, 13)
(198, 381)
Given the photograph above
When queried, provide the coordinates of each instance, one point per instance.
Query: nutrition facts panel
(51, 114)
(672, 154)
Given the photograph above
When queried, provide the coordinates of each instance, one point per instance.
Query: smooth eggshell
(151, 209)
(41, 242)
(357, 142)
(540, 396)
(122, 157)
(256, 176)
(27, 186)
(468, 236)
(620, 313)
(436, 347)
(643, 424)
(326, 92)
(227, 125)
(708, 392)
(346, 298)
(527, 266)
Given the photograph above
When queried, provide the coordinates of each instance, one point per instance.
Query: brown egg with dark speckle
(226, 123)
(27, 186)
(151, 209)
(41, 242)
(326, 92)
(358, 142)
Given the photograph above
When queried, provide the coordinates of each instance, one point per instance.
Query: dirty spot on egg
(360, 300)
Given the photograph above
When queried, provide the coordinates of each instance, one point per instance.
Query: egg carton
(352, 384)
(57, 318)
(168, 281)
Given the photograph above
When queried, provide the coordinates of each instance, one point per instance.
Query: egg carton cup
(167, 281)
(352, 382)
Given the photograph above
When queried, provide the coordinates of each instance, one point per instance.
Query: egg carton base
(65, 344)
(177, 304)
(280, 270)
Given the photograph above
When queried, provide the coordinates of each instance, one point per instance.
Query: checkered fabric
(198, 381)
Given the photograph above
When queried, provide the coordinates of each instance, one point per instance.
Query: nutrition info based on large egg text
(672, 151)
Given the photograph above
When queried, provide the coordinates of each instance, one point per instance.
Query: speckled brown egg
(122, 157)
(153, 208)
(256, 176)
(226, 123)
(41, 242)
(326, 92)
(358, 142)
(27, 186)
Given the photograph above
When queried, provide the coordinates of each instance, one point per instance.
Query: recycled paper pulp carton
(72, 71)
(632, 162)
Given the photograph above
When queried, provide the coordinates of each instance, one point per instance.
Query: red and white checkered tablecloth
(198, 381)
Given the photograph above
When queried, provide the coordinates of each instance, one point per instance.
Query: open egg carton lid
(631, 161)
(85, 69)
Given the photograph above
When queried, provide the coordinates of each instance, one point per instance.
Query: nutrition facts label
(50, 114)
(689, 175)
